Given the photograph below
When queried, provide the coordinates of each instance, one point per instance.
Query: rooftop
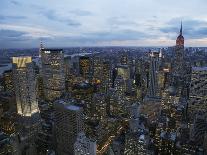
(199, 68)
(73, 107)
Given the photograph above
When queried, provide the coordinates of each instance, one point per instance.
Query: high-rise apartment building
(53, 73)
(68, 123)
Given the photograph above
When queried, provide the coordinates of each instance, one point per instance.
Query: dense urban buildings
(105, 101)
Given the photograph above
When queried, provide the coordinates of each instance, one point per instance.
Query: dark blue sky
(23, 23)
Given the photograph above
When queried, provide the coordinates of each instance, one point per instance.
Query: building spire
(181, 28)
(41, 45)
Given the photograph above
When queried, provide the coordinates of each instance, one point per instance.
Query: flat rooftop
(73, 107)
(199, 68)
(66, 105)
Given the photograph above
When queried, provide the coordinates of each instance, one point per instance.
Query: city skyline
(101, 23)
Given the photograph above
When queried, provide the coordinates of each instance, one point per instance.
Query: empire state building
(179, 48)
(180, 38)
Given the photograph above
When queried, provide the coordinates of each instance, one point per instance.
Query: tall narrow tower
(180, 38)
(53, 73)
(25, 86)
(154, 67)
(26, 101)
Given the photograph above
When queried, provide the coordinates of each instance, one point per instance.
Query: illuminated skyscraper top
(180, 38)
(25, 85)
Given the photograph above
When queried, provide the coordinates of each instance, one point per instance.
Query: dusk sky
(65, 23)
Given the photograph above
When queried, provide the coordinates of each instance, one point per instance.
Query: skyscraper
(154, 67)
(178, 62)
(27, 105)
(84, 64)
(84, 145)
(53, 73)
(198, 92)
(68, 123)
(25, 86)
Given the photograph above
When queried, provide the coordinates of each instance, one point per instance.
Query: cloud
(32, 32)
(7, 18)
(53, 16)
(12, 35)
(15, 2)
(192, 28)
(117, 35)
(117, 22)
(81, 12)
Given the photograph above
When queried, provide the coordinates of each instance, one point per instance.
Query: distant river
(5, 67)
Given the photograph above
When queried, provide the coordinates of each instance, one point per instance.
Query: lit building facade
(84, 66)
(99, 107)
(68, 123)
(25, 86)
(53, 73)
(8, 81)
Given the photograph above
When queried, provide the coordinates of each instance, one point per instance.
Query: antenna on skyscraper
(181, 28)
(41, 45)
(41, 48)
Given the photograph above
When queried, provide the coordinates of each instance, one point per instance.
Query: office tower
(118, 145)
(27, 106)
(46, 140)
(141, 79)
(25, 86)
(99, 107)
(124, 59)
(123, 71)
(8, 102)
(68, 66)
(178, 62)
(41, 49)
(134, 113)
(5, 145)
(106, 76)
(120, 86)
(97, 67)
(53, 73)
(154, 68)
(84, 145)
(198, 92)
(8, 81)
(198, 130)
(68, 71)
(40, 87)
(84, 64)
(138, 73)
(8, 123)
(113, 106)
(68, 123)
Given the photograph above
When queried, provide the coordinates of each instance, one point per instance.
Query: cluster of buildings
(104, 104)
